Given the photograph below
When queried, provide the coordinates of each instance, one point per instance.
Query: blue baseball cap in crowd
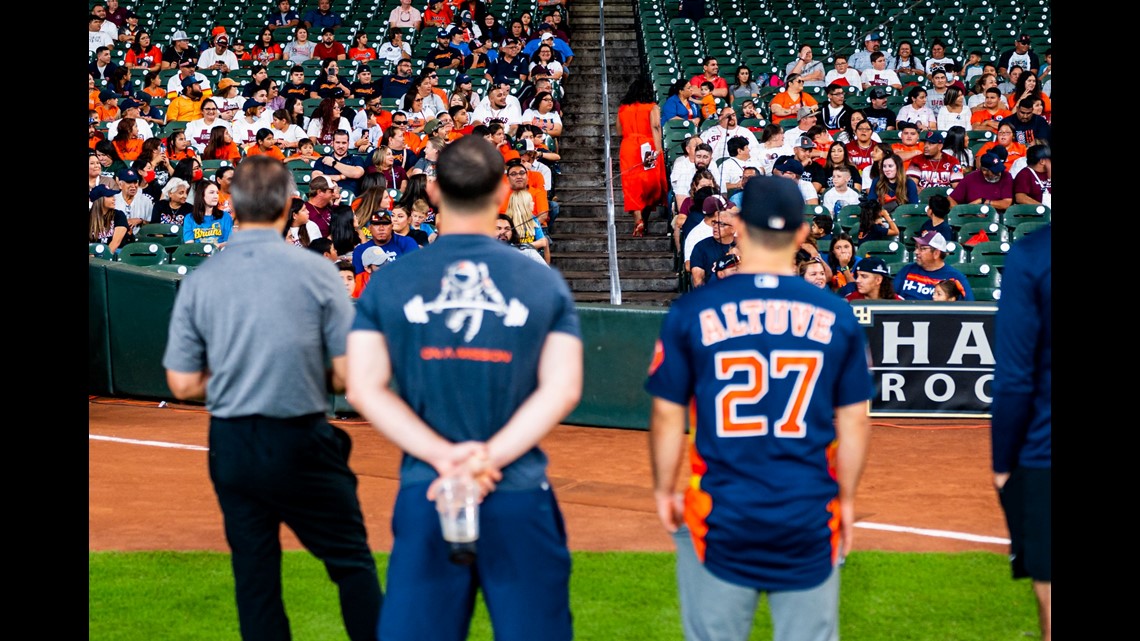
(129, 175)
(772, 202)
(108, 94)
(251, 103)
(874, 35)
(934, 137)
(129, 103)
(102, 191)
(190, 82)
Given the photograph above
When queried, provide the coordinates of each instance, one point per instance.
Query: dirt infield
(927, 486)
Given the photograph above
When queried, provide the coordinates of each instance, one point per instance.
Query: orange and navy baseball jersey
(764, 360)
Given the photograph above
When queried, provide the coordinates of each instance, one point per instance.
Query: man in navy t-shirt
(485, 350)
(916, 281)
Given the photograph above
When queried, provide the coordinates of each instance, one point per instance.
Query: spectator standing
(274, 458)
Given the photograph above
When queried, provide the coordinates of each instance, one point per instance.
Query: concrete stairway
(579, 250)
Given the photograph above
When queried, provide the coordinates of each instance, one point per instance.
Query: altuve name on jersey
(760, 316)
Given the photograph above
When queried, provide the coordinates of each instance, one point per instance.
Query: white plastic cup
(457, 501)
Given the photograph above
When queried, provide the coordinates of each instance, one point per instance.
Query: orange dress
(641, 188)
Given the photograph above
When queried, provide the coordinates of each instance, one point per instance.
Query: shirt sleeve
(670, 370)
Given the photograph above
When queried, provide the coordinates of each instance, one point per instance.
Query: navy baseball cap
(874, 35)
(190, 82)
(251, 103)
(772, 202)
(108, 94)
(129, 103)
(129, 175)
(873, 265)
(934, 137)
(992, 163)
(787, 163)
(102, 191)
(877, 92)
(806, 142)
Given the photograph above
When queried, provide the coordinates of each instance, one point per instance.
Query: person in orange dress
(1007, 138)
(641, 157)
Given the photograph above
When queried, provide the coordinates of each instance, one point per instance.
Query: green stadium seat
(100, 251)
(142, 253)
(1025, 228)
(192, 254)
(980, 274)
(991, 253)
(888, 250)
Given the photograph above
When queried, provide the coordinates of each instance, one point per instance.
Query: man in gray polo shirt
(256, 342)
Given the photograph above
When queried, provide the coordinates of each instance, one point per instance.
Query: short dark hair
(704, 146)
(321, 245)
(261, 189)
(939, 205)
(263, 133)
(878, 55)
(1037, 153)
(824, 222)
(469, 172)
(1027, 103)
(735, 144)
(297, 69)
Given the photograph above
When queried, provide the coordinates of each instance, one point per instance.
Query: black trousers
(268, 471)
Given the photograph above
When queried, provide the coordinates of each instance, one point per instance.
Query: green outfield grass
(188, 596)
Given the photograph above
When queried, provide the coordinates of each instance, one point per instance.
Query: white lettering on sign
(892, 340)
(972, 340)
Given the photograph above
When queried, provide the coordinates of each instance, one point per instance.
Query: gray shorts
(715, 610)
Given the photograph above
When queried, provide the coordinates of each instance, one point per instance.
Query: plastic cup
(457, 501)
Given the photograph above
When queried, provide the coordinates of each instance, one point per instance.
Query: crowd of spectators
(362, 166)
(977, 131)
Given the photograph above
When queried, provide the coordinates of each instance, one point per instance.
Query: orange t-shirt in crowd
(898, 148)
(155, 92)
(107, 114)
(93, 100)
(274, 152)
(228, 151)
(1014, 151)
(413, 141)
(785, 101)
(179, 155)
(130, 149)
(541, 204)
(982, 115)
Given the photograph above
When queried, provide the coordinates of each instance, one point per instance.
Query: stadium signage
(930, 359)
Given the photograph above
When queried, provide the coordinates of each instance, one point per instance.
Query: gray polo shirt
(264, 316)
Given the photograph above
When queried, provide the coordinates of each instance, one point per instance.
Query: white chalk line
(943, 534)
(131, 441)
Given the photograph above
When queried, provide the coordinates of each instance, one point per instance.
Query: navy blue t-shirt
(465, 319)
(707, 252)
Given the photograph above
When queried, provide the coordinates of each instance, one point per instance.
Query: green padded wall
(618, 344)
(139, 303)
(98, 340)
